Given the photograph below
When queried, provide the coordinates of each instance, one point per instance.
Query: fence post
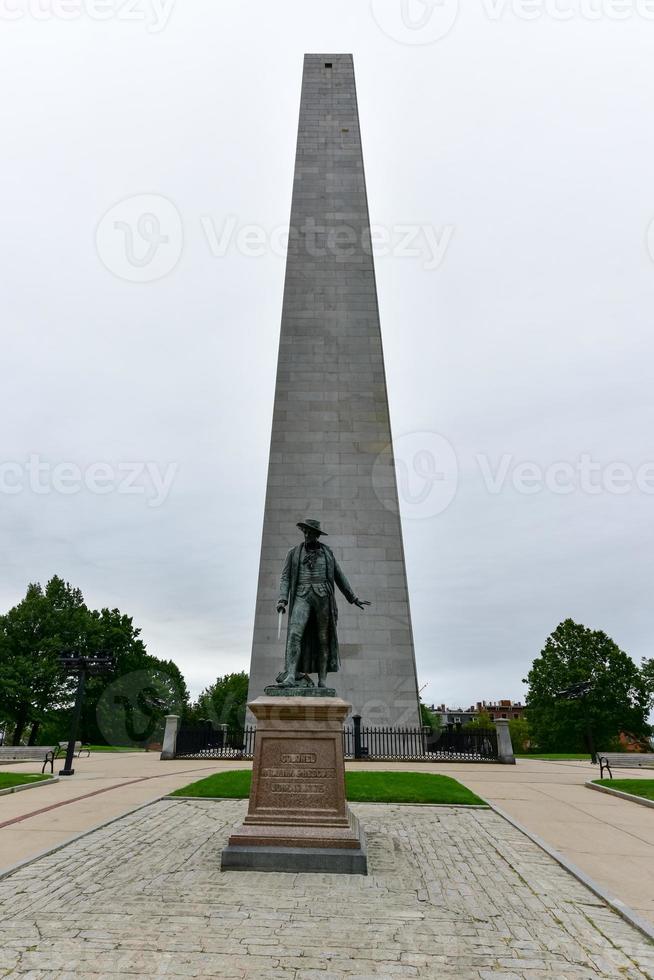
(223, 729)
(356, 721)
(504, 746)
(426, 735)
(170, 737)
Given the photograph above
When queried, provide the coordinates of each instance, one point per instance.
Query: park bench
(30, 753)
(79, 748)
(624, 760)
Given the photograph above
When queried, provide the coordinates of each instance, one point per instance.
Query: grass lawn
(554, 756)
(8, 779)
(361, 787)
(637, 787)
(407, 787)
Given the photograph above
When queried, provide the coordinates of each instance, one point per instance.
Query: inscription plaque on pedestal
(298, 818)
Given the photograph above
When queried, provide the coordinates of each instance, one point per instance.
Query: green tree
(32, 635)
(128, 705)
(429, 718)
(619, 699)
(225, 701)
(483, 722)
(520, 734)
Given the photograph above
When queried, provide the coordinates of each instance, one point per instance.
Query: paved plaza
(451, 893)
(611, 840)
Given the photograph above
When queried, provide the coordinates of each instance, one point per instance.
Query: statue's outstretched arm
(343, 583)
(346, 588)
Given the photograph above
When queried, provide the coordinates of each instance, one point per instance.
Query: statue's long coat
(287, 588)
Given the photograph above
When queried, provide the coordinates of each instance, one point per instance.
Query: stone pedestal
(298, 818)
(170, 737)
(504, 746)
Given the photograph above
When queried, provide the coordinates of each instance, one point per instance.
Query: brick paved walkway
(452, 893)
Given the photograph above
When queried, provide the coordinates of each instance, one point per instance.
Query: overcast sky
(515, 142)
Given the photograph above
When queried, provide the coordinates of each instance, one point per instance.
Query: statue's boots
(287, 680)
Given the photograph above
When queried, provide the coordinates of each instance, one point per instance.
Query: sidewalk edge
(243, 799)
(620, 794)
(623, 910)
(23, 786)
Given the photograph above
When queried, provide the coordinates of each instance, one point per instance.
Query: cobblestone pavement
(451, 893)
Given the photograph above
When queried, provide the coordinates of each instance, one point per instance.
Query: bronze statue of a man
(307, 588)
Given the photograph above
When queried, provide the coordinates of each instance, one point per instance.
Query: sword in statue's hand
(281, 608)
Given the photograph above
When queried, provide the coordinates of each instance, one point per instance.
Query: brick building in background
(495, 709)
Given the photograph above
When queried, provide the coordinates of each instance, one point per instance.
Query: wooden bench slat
(624, 760)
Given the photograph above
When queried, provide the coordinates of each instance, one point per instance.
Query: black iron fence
(407, 744)
(378, 742)
(205, 741)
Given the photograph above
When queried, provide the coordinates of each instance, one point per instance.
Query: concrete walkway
(611, 840)
(106, 785)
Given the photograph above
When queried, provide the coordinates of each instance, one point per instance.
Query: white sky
(528, 143)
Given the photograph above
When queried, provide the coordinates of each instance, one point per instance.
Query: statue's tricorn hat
(312, 525)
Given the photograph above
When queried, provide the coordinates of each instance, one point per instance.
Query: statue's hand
(281, 606)
(361, 603)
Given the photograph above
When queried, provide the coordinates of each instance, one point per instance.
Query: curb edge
(623, 910)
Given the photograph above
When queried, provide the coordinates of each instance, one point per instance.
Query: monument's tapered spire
(330, 421)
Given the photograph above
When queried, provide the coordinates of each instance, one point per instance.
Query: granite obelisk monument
(331, 458)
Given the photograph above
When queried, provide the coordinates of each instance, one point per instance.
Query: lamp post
(82, 665)
(579, 692)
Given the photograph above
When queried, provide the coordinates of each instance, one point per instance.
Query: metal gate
(204, 741)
